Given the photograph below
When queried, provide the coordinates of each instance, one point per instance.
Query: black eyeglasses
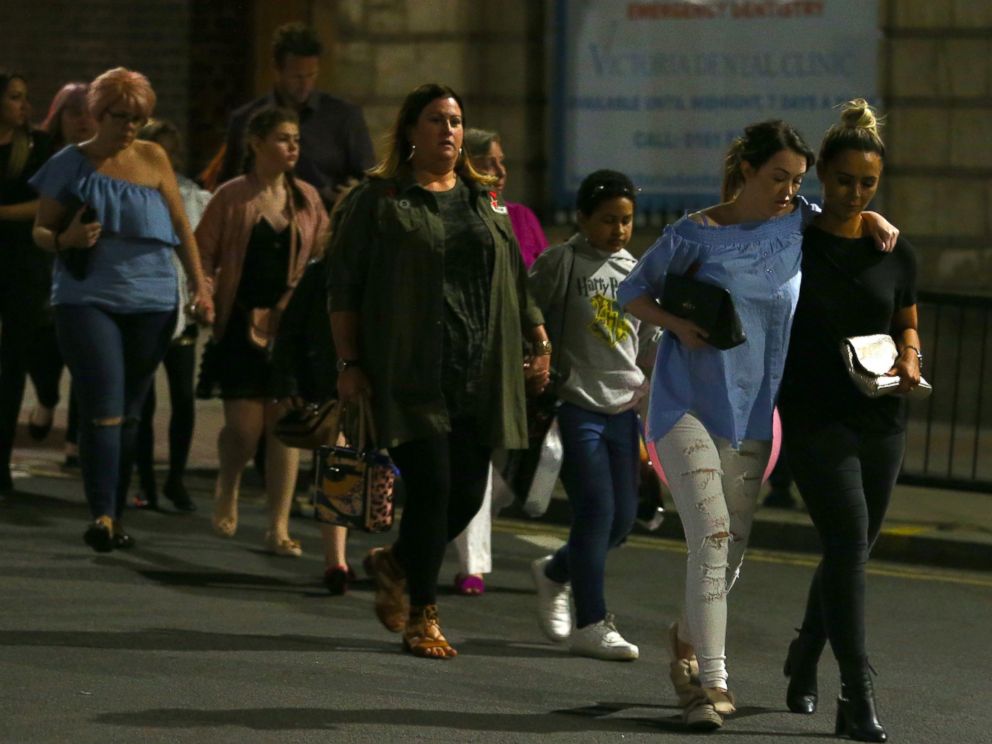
(124, 117)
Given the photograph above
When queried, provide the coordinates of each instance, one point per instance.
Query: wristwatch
(343, 364)
(542, 348)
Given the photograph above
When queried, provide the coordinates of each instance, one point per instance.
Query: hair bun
(858, 114)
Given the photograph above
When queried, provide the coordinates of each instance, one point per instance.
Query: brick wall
(491, 53)
(937, 82)
(56, 41)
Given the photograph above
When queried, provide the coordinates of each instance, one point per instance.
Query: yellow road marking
(665, 545)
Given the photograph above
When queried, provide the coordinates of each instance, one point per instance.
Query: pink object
(469, 586)
(528, 232)
(772, 458)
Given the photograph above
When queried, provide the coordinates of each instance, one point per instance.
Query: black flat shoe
(38, 432)
(99, 537)
(121, 540)
(176, 492)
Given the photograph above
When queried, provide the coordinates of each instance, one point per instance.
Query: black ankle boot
(856, 716)
(800, 668)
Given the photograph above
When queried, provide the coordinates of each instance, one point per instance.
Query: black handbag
(309, 427)
(75, 260)
(707, 305)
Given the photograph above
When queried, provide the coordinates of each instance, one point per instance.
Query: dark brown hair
(759, 143)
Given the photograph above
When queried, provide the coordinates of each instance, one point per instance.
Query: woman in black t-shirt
(25, 271)
(845, 449)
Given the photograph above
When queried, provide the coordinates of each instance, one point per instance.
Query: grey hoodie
(597, 347)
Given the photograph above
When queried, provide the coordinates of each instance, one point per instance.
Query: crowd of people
(409, 283)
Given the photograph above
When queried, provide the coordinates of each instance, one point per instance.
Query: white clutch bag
(868, 358)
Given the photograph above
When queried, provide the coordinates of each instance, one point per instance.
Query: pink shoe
(469, 586)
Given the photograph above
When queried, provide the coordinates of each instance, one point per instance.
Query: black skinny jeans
(445, 479)
(846, 479)
(25, 347)
(180, 368)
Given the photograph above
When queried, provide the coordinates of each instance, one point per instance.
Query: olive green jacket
(387, 263)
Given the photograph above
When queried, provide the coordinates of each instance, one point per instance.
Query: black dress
(232, 366)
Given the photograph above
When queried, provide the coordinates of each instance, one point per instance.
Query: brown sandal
(391, 604)
(422, 635)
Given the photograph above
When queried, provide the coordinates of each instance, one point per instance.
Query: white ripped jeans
(715, 489)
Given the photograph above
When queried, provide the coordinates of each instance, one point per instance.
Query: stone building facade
(206, 56)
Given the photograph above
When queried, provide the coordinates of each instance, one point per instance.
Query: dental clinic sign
(659, 89)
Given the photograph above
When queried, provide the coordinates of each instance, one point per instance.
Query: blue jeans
(112, 357)
(599, 472)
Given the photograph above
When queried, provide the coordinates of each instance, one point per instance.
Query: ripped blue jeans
(715, 488)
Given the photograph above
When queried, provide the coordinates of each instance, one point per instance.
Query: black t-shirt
(468, 270)
(849, 288)
(17, 190)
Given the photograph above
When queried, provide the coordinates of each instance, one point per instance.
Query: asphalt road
(190, 638)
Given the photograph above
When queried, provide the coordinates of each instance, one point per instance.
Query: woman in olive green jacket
(429, 311)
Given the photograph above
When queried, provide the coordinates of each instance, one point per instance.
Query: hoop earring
(413, 149)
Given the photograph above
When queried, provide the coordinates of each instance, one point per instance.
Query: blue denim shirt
(732, 392)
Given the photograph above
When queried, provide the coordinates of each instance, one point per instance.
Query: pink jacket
(225, 229)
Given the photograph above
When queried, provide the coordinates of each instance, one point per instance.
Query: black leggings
(24, 347)
(846, 478)
(445, 478)
(180, 368)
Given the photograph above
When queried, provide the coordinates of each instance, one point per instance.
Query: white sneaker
(554, 613)
(602, 641)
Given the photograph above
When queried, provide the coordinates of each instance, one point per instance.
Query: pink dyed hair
(69, 95)
(121, 84)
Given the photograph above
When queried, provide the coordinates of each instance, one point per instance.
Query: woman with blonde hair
(845, 449)
(429, 309)
(110, 211)
(257, 235)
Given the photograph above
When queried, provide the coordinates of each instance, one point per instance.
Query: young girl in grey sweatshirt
(596, 349)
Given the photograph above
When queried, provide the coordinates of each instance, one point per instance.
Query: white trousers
(474, 544)
(715, 489)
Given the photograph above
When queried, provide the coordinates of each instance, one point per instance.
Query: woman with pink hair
(68, 122)
(110, 210)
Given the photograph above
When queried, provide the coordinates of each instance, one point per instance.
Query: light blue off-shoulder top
(130, 269)
(732, 392)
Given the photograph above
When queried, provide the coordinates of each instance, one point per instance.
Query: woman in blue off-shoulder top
(711, 410)
(110, 210)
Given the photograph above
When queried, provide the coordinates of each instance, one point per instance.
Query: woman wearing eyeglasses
(110, 210)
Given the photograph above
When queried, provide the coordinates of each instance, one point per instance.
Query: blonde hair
(858, 129)
(121, 84)
(398, 147)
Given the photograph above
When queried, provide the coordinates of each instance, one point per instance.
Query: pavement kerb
(921, 543)
(792, 531)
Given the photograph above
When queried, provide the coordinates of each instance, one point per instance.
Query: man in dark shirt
(334, 139)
